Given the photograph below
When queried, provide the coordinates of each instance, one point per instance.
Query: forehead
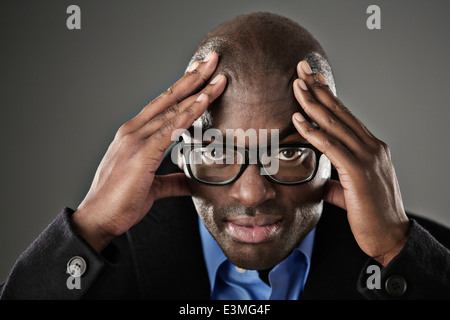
(266, 102)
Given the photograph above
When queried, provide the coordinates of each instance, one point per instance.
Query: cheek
(307, 202)
(201, 201)
(206, 199)
(206, 193)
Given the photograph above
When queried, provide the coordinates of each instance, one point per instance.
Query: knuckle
(171, 92)
(384, 145)
(310, 130)
(332, 121)
(203, 77)
(329, 142)
(128, 144)
(317, 84)
(379, 147)
(310, 101)
(157, 135)
(377, 151)
(173, 110)
(190, 111)
(197, 75)
(339, 107)
(310, 105)
(163, 116)
(128, 139)
(348, 132)
(124, 129)
(169, 126)
(159, 118)
(384, 149)
(192, 73)
(335, 107)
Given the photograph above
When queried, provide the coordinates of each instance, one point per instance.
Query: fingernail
(216, 79)
(208, 56)
(306, 68)
(201, 97)
(193, 66)
(302, 84)
(321, 79)
(298, 117)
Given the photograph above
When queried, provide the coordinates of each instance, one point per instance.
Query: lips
(253, 229)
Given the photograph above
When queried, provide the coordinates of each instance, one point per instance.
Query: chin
(256, 256)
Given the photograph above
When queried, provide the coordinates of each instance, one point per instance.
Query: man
(150, 228)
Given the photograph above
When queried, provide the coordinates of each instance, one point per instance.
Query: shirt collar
(214, 256)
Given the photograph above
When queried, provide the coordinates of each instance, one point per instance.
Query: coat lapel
(168, 253)
(337, 260)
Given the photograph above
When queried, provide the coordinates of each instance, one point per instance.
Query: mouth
(253, 229)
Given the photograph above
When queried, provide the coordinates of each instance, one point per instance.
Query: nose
(252, 189)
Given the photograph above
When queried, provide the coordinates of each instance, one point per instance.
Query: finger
(321, 91)
(171, 185)
(187, 85)
(161, 139)
(334, 194)
(325, 119)
(335, 151)
(213, 90)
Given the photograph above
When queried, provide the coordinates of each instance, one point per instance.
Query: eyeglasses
(217, 164)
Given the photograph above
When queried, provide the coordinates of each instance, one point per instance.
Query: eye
(289, 154)
(216, 153)
(212, 154)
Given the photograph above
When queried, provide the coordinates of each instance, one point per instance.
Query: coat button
(395, 286)
(76, 266)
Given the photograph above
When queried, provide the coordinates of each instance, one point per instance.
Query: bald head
(258, 45)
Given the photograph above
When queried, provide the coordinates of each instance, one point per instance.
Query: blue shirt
(228, 282)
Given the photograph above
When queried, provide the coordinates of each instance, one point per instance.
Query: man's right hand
(125, 185)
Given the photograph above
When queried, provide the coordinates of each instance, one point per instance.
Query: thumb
(171, 185)
(334, 194)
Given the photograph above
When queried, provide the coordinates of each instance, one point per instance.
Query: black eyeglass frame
(244, 165)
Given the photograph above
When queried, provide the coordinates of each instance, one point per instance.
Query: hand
(125, 185)
(368, 187)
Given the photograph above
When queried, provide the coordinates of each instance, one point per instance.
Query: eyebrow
(287, 131)
(283, 134)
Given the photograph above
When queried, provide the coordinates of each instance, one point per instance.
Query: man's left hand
(367, 188)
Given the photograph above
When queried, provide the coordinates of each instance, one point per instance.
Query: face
(257, 222)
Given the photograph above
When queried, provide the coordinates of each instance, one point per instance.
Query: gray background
(65, 93)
